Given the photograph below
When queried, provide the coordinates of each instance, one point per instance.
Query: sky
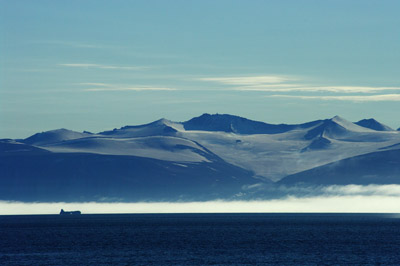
(96, 65)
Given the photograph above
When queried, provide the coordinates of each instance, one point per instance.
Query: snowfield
(271, 152)
(209, 157)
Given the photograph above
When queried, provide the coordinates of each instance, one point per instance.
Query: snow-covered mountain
(207, 157)
(382, 167)
(303, 147)
(29, 173)
(373, 124)
(162, 127)
(54, 136)
(335, 128)
(238, 125)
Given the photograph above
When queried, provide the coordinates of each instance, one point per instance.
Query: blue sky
(96, 65)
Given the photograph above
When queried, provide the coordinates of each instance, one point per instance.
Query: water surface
(200, 239)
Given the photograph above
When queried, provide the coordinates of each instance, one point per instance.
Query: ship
(62, 212)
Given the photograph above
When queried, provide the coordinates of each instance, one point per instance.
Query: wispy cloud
(127, 50)
(252, 80)
(100, 86)
(305, 88)
(140, 88)
(95, 84)
(74, 44)
(101, 66)
(354, 98)
(273, 83)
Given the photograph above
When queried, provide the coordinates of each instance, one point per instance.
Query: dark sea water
(200, 239)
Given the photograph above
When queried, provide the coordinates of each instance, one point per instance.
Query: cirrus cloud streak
(303, 88)
(141, 88)
(251, 80)
(100, 66)
(272, 83)
(353, 98)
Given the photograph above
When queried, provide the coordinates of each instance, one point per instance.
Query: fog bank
(354, 204)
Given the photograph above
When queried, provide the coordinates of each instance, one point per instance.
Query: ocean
(200, 239)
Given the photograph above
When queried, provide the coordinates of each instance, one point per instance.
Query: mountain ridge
(373, 124)
(224, 123)
(236, 124)
(373, 168)
(207, 157)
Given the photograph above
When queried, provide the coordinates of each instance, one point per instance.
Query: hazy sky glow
(96, 64)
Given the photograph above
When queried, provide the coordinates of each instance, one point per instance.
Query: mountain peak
(233, 124)
(373, 124)
(215, 122)
(52, 136)
(163, 122)
(349, 125)
(161, 127)
(334, 127)
(338, 119)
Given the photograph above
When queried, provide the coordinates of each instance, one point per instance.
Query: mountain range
(213, 156)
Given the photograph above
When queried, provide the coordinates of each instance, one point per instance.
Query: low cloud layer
(342, 191)
(339, 199)
(339, 204)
